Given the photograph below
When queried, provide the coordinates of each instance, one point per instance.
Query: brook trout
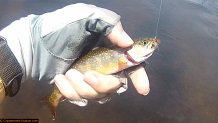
(108, 60)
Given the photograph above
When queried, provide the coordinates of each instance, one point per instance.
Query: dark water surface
(183, 74)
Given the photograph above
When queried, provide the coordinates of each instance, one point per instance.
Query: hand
(93, 85)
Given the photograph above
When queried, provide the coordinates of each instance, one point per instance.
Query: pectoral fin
(123, 79)
(122, 60)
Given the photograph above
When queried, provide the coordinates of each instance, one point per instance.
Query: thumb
(119, 37)
(140, 81)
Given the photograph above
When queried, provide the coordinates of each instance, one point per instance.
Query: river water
(183, 73)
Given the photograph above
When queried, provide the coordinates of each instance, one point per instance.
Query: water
(183, 74)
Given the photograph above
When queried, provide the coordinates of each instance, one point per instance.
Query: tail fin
(52, 100)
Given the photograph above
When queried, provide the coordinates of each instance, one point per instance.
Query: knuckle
(71, 72)
(58, 77)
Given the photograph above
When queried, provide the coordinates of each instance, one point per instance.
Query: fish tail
(52, 100)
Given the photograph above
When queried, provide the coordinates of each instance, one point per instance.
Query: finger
(81, 87)
(140, 81)
(65, 88)
(102, 83)
(119, 37)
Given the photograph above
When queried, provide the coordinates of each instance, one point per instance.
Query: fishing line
(158, 19)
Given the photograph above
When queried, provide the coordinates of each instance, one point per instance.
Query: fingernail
(90, 78)
(147, 92)
(126, 38)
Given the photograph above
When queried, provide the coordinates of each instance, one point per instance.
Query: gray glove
(59, 37)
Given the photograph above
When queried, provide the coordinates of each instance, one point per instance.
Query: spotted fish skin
(107, 60)
(104, 60)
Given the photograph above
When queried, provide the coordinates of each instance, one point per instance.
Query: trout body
(103, 60)
(108, 60)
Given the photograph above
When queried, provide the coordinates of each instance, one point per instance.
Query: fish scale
(103, 60)
(107, 60)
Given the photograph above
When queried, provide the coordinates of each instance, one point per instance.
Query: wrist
(10, 71)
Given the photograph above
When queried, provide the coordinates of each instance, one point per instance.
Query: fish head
(142, 49)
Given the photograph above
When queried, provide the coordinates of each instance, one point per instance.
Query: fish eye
(144, 42)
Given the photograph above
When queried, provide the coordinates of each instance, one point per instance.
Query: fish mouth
(131, 59)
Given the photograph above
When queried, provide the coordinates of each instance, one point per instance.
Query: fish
(107, 60)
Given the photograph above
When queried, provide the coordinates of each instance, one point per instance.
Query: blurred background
(182, 74)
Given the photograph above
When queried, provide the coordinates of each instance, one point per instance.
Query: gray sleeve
(59, 37)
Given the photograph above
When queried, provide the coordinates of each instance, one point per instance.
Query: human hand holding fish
(94, 85)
